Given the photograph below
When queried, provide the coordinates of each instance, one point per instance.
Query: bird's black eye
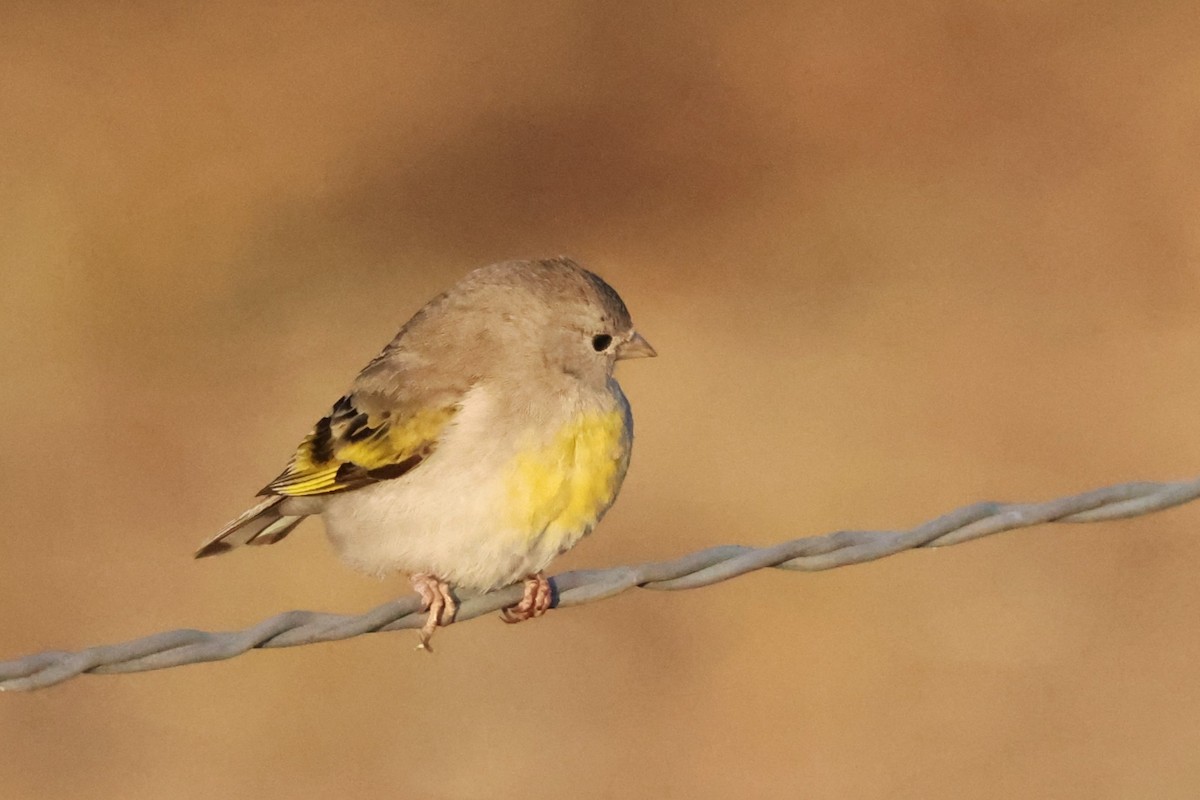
(600, 342)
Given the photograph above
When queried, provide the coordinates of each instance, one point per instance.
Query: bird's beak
(636, 347)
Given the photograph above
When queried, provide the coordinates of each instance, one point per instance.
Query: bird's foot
(438, 601)
(537, 600)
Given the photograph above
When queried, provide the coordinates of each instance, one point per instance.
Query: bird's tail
(263, 524)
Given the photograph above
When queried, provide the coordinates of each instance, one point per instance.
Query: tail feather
(276, 530)
(262, 524)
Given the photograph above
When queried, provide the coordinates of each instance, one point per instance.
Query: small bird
(486, 438)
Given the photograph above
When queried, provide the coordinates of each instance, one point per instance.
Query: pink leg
(534, 603)
(437, 600)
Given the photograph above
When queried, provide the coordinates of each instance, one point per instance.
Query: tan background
(894, 260)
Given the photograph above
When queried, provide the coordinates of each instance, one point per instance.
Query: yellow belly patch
(563, 488)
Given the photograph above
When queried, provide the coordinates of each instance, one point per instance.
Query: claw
(536, 601)
(438, 601)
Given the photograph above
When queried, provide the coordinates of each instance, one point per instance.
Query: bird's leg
(536, 601)
(437, 600)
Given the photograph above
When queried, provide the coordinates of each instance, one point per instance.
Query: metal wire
(703, 568)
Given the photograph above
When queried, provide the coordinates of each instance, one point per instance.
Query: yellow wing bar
(348, 449)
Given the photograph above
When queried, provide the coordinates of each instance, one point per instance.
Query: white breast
(442, 517)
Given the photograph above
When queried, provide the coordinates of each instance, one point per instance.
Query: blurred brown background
(895, 257)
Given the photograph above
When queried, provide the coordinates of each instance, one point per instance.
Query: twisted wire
(702, 568)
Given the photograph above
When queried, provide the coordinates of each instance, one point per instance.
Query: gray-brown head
(509, 318)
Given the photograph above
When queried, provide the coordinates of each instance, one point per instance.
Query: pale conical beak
(636, 347)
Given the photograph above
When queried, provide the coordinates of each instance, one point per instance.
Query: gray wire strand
(703, 568)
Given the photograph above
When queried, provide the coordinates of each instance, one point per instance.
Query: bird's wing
(364, 439)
